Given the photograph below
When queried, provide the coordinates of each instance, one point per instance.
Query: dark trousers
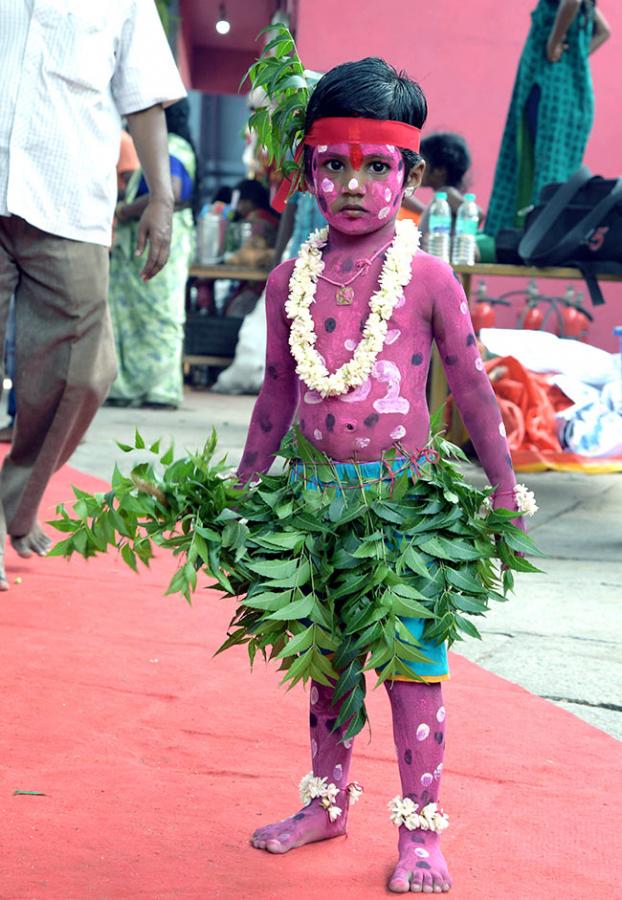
(64, 360)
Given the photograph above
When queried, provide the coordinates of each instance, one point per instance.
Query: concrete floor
(561, 637)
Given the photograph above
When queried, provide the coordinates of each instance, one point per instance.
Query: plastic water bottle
(438, 237)
(467, 222)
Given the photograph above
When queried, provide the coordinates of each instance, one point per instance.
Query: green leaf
(416, 562)
(469, 604)
(298, 644)
(138, 441)
(129, 557)
(298, 609)
(269, 600)
(410, 608)
(464, 580)
(167, 458)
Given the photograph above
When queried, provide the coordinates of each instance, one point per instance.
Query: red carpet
(157, 760)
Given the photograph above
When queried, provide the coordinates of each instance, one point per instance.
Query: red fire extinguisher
(483, 313)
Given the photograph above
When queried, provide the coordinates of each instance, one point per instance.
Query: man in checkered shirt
(69, 71)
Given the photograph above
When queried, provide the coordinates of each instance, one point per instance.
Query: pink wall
(465, 57)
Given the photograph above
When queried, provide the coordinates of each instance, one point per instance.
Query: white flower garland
(313, 787)
(396, 274)
(525, 500)
(430, 818)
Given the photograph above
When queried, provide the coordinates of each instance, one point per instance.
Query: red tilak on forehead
(356, 156)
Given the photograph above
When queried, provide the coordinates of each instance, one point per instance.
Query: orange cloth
(128, 159)
(404, 213)
(528, 404)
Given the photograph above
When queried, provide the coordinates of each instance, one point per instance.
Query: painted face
(359, 187)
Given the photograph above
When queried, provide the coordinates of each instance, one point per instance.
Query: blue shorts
(437, 669)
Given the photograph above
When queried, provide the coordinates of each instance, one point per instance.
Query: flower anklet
(312, 787)
(405, 811)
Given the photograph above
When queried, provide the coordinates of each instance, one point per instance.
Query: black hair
(369, 89)
(449, 151)
(254, 191)
(177, 122)
(222, 195)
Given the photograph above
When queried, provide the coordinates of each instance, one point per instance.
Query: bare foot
(36, 541)
(307, 826)
(421, 868)
(4, 584)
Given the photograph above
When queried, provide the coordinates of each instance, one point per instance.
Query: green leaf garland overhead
(287, 85)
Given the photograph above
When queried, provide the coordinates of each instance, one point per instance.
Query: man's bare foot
(307, 826)
(36, 541)
(421, 868)
(4, 584)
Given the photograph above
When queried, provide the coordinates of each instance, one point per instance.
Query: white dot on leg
(338, 772)
(440, 715)
(479, 365)
(315, 695)
(421, 853)
(426, 779)
(313, 748)
(423, 731)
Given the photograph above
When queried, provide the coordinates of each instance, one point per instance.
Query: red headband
(350, 130)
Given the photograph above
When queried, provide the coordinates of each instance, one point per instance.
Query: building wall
(465, 57)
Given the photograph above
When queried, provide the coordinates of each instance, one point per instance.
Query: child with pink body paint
(359, 187)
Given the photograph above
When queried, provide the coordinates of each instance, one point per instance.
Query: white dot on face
(315, 696)
(327, 186)
(317, 434)
(390, 148)
(426, 779)
(440, 715)
(479, 365)
(361, 443)
(350, 345)
(387, 194)
(337, 773)
(322, 148)
(384, 212)
(502, 429)
(464, 307)
(423, 731)
(398, 433)
(352, 184)
(421, 852)
(313, 748)
(312, 397)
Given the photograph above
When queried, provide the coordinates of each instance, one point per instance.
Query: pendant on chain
(344, 296)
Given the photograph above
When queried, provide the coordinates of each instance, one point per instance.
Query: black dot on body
(330, 325)
(298, 817)
(312, 720)
(451, 360)
(438, 737)
(330, 724)
(470, 340)
(371, 420)
(303, 427)
(272, 372)
(417, 359)
(408, 757)
(425, 796)
(323, 204)
(330, 422)
(417, 838)
(265, 424)
(347, 265)
(250, 458)
(508, 460)
(423, 865)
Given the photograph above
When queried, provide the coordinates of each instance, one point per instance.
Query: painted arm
(469, 383)
(148, 129)
(278, 399)
(601, 33)
(566, 14)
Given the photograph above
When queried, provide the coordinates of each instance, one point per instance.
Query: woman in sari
(552, 108)
(148, 317)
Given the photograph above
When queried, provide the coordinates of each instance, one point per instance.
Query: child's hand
(555, 50)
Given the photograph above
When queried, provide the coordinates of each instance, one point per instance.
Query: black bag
(577, 223)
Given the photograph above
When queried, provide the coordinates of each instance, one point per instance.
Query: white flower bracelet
(312, 787)
(405, 811)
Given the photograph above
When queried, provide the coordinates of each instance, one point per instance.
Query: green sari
(148, 318)
(564, 118)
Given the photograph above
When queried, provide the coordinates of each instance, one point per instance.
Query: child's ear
(415, 176)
